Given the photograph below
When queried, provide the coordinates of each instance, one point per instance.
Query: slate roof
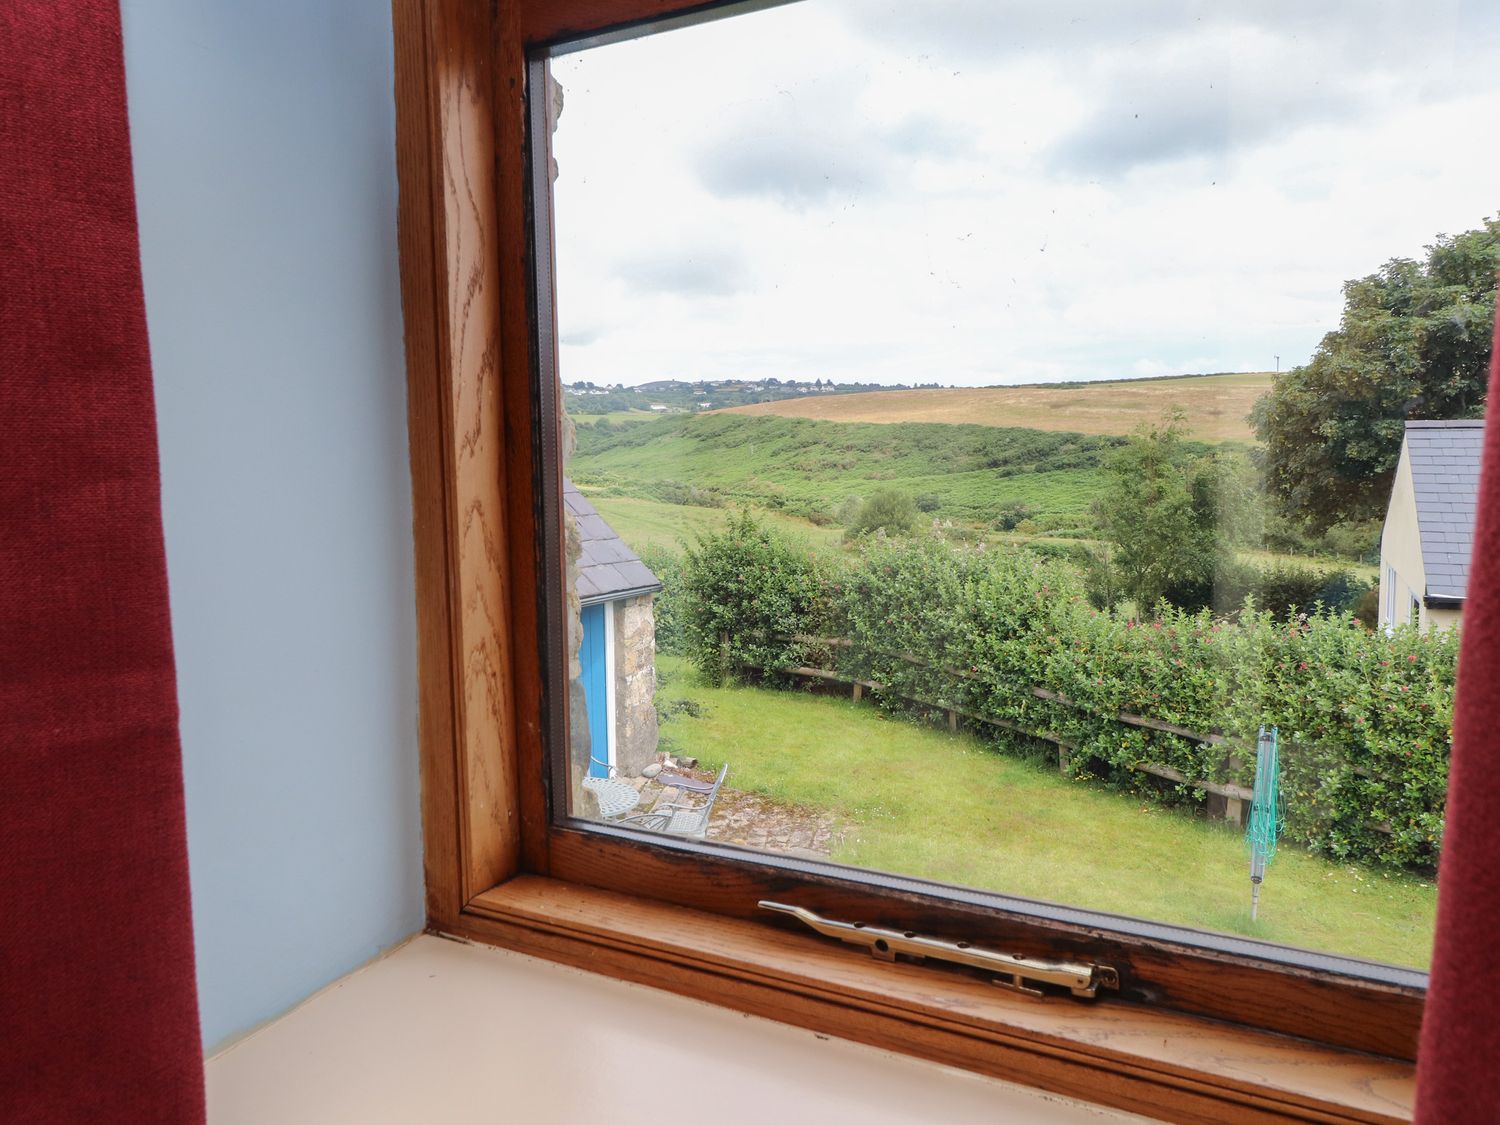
(1445, 459)
(607, 570)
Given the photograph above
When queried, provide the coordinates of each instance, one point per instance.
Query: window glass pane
(1033, 446)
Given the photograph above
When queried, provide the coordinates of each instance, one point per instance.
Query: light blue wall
(264, 143)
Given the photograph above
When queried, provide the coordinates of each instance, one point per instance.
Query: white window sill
(443, 1032)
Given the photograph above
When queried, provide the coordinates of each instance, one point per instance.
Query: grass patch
(644, 523)
(923, 802)
(1324, 564)
(614, 417)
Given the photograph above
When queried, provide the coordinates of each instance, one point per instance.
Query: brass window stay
(1079, 978)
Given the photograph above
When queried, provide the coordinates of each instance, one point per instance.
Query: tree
(1227, 496)
(1413, 342)
(1171, 518)
(888, 510)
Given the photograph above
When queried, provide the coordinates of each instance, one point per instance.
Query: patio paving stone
(751, 821)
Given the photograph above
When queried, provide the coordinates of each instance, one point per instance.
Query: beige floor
(442, 1032)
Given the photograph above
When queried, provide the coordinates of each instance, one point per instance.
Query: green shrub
(956, 532)
(1161, 513)
(1009, 516)
(1284, 535)
(888, 510)
(687, 495)
(1355, 539)
(1075, 553)
(1365, 716)
(1344, 590)
(848, 511)
(748, 591)
(666, 564)
(1284, 587)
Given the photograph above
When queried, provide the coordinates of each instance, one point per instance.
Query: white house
(1429, 524)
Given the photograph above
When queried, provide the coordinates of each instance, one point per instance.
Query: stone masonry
(635, 684)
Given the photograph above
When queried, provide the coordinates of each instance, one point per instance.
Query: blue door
(591, 655)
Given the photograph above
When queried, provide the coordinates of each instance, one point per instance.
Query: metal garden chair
(681, 819)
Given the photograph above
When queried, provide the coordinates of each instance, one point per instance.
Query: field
(1216, 406)
(660, 480)
(923, 802)
(805, 467)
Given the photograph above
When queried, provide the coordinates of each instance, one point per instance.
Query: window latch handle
(1021, 974)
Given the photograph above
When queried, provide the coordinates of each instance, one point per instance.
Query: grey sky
(970, 192)
(700, 269)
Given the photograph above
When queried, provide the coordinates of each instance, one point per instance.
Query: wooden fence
(1232, 802)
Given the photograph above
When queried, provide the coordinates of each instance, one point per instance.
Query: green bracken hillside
(809, 468)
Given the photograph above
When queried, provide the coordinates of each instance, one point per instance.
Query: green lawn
(923, 802)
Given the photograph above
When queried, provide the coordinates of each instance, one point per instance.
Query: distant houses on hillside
(1429, 525)
(668, 395)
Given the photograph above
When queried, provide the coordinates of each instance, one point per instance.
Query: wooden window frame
(1240, 1032)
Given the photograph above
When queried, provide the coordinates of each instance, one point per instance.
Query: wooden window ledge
(1162, 1064)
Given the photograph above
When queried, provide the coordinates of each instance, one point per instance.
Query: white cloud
(801, 194)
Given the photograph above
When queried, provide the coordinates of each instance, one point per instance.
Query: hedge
(1365, 717)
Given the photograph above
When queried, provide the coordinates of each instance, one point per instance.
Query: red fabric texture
(98, 1011)
(1458, 1061)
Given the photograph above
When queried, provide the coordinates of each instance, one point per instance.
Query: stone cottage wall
(635, 684)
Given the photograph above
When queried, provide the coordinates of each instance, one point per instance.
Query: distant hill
(1216, 406)
(807, 468)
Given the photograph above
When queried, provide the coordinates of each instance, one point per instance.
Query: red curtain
(98, 1013)
(1458, 1068)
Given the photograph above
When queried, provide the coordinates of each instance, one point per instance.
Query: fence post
(1234, 811)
